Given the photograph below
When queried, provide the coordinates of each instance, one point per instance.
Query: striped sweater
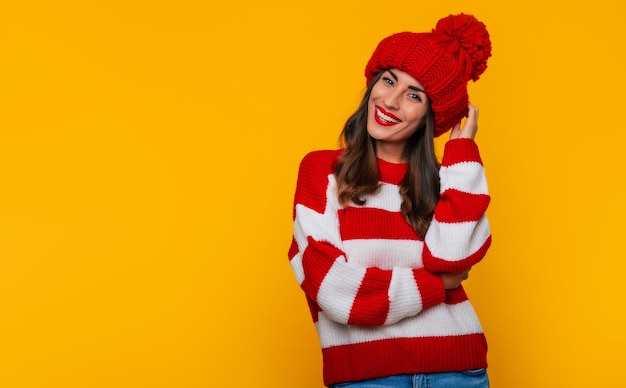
(378, 306)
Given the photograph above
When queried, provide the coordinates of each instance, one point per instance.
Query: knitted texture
(378, 307)
(443, 61)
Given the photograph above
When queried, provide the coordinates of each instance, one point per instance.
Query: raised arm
(346, 292)
(459, 234)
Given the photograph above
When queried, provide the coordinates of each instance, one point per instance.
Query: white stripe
(438, 321)
(332, 201)
(296, 266)
(310, 223)
(339, 288)
(461, 240)
(404, 296)
(322, 227)
(388, 198)
(385, 253)
(468, 177)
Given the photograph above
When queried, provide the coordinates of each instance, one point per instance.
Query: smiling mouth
(385, 118)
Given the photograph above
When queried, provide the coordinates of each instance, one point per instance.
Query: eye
(415, 96)
(387, 80)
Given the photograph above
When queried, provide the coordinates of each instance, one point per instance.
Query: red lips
(385, 118)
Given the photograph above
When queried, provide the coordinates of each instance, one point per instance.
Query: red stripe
(293, 249)
(310, 189)
(392, 173)
(458, 206)
(313, 179)
(430, 287)
(456, 295)
(460, 150)
(371, 304)
(371, 223)
(317, 259)
(436, 264)
(404, 356)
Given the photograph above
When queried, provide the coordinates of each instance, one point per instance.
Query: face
(396, 107)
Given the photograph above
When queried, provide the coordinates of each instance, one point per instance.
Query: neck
(393, 153)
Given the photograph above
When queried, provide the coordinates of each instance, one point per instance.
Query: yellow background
(148, 155)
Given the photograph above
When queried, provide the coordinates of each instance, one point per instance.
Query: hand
(453, 280)
(470, 127)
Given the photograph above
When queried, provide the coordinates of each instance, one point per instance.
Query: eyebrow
(410, 87)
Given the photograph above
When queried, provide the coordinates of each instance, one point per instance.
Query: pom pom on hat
(473, 38)
(443, 61)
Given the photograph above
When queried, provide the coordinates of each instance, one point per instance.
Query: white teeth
(386, 118)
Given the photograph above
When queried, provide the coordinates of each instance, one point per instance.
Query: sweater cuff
(460, 150)
(430, 287)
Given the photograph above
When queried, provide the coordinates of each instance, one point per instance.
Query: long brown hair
(357, 173)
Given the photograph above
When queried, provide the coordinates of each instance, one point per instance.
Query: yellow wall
(148, 154)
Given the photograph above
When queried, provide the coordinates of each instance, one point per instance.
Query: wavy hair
(357, 172)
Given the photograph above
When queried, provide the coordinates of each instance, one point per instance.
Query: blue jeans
(476, 378)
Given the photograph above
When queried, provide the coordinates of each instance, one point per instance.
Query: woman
(384, 235)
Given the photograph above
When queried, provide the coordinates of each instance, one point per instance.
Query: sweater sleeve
(347, 292)
(459, 234)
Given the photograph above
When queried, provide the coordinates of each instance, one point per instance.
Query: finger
(472, 112)
(471, 124)
(456, 131)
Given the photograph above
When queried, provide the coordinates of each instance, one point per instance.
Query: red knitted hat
(443, 61)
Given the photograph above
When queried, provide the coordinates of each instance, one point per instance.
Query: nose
(392, 100)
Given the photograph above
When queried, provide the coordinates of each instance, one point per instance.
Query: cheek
(417, 115)
(377, 91)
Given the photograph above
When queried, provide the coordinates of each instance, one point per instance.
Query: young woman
(384, 235)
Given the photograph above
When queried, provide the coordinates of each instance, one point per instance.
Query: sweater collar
(391, 172)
